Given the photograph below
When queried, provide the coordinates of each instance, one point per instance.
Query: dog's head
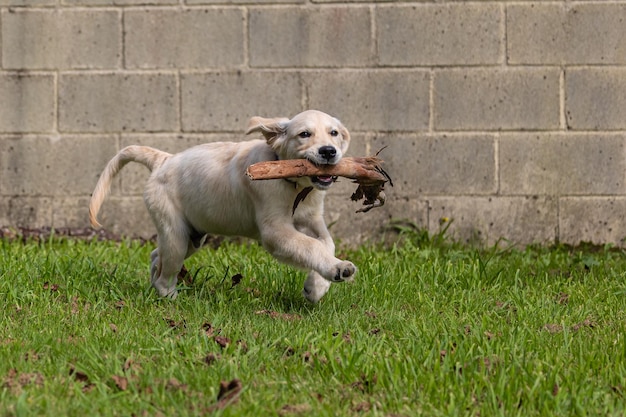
(312, 135)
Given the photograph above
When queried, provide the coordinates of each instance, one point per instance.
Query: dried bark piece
(365, 171)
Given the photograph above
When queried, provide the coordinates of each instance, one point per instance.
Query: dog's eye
(334, 133)
(305, 135)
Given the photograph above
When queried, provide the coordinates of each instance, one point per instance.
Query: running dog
(204, 189)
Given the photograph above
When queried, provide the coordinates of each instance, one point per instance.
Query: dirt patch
(277, 315)
(557, 328)
(289, 409)
(15, 381)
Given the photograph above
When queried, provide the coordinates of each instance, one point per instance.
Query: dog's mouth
(324, 181)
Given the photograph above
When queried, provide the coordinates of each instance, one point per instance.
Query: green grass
(427, 328)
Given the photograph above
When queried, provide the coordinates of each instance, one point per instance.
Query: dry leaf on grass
(121, 382)
(175, 384)
(185, 277)
(209, 330)
(236, 279)
(362, 407)
(228, 394)
(82, 378)
(211, 358)
(222, 341)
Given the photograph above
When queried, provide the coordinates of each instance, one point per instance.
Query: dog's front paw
(315, 287)
(344, 271)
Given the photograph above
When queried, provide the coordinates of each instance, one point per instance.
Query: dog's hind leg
(173, 237)
(155, 267)
(167, 262)
(172, 245)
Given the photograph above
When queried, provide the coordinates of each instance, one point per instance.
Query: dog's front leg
(316, 286)
(289, 245)
(316, 228)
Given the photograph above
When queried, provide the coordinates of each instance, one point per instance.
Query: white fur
(204, 189)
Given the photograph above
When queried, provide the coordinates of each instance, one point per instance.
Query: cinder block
(133, 177)
(595, 99)
(126, 216)
(190, 38)
(558, 34)
(52, 166)
(120, 2)
(310, 37)
(25, 211)
(27, 103)
(597, 220)
(118, 102)
(496, 99)
(439, 165)
(225, 101)
(256, 2)
(72, 212)
(487, 220)
(558, 164)
(27, 3)
(448, 34)
(61, 39)
(373, 100)
(359, 144)
(351, 229)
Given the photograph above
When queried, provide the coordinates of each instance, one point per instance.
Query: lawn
(428, 327)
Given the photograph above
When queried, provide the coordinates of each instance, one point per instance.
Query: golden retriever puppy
(204, 189)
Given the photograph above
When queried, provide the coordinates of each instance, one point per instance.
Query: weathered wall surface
(508, 117)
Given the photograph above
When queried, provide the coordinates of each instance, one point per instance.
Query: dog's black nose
(328, 152)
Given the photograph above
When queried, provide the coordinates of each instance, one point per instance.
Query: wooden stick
(366, 170)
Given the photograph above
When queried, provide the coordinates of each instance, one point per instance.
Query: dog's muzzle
(326, 155)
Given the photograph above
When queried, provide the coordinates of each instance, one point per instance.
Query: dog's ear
(270, 128)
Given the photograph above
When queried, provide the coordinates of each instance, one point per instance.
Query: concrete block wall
(506, 117)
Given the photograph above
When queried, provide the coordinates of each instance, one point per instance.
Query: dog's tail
(150, 157)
